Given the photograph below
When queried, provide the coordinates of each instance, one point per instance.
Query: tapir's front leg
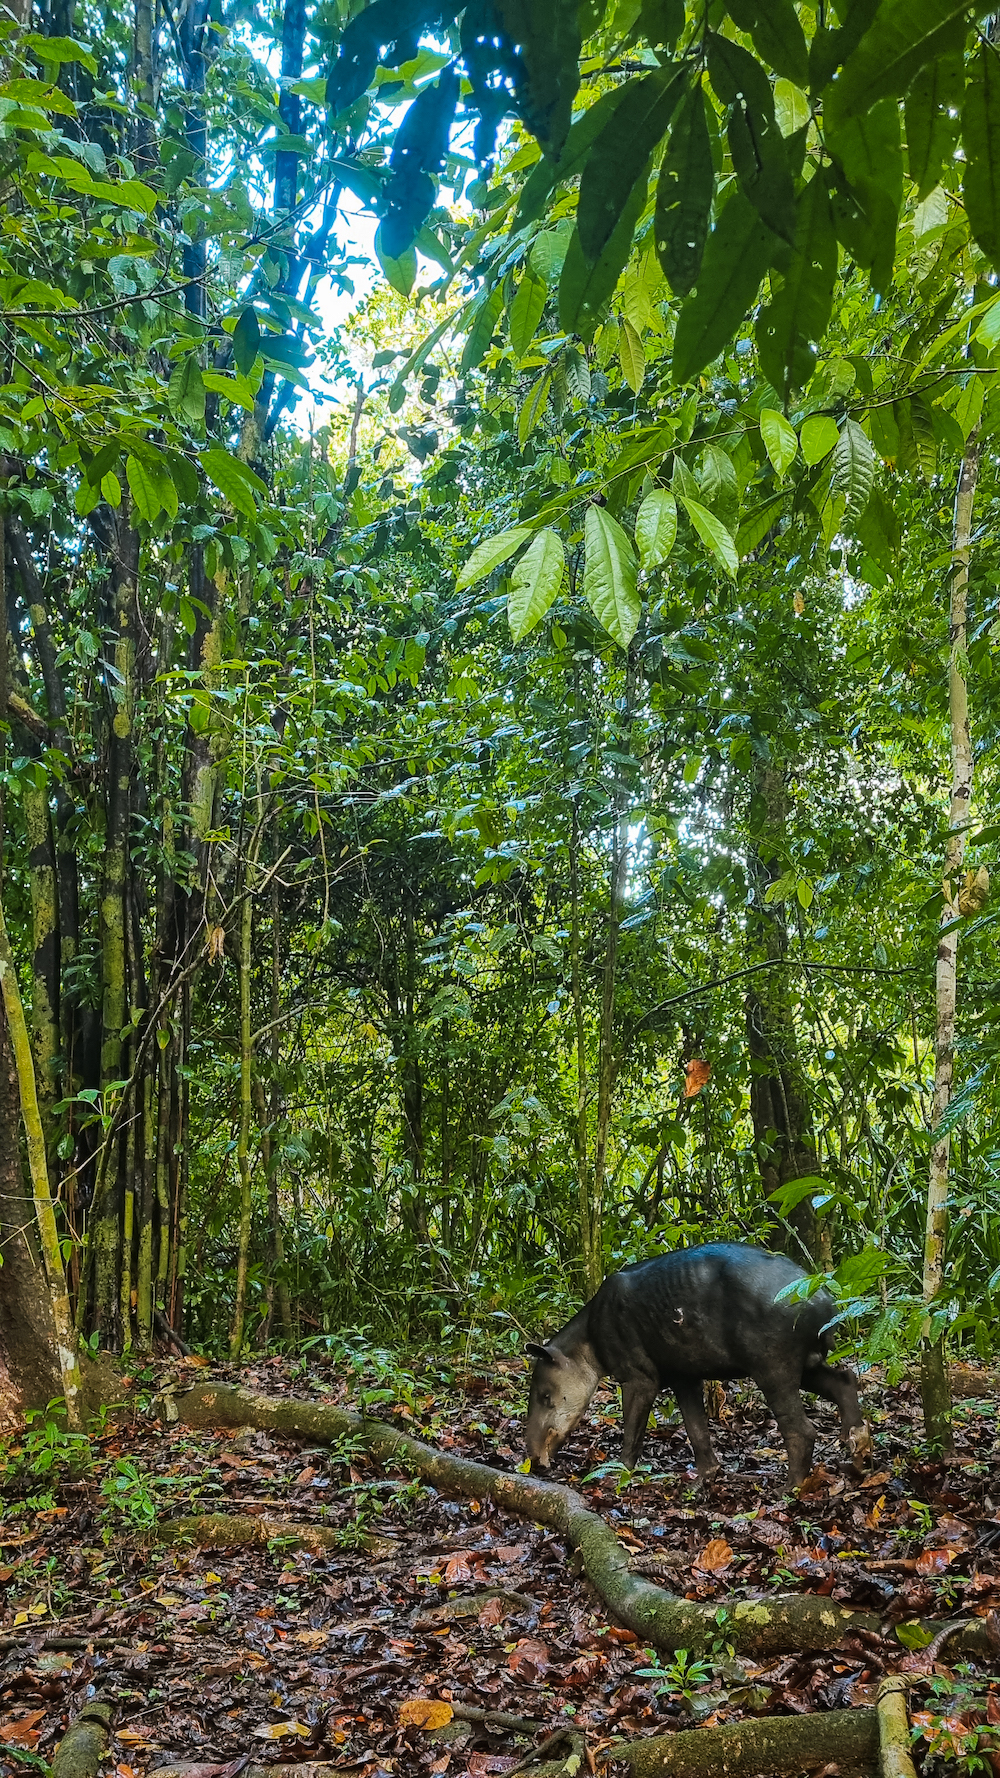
(638, 1396)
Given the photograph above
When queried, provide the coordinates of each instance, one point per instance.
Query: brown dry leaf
(426, 1713)
(483, 1765)
(305, 1476)
(133, 1737)
(458, 1569)
(934, 1561)
(716, 1556)
(696, 1073)
(22, 1731)
(766, 1531)
(510, 1552)
(798, 604)
(530, 1659)
(494, 1612)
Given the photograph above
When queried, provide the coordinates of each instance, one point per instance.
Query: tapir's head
(561, 1389)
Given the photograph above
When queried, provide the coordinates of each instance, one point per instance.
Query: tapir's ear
(541, 1352)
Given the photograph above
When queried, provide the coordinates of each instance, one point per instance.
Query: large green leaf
(755, 141)
(609, 576)
(904, 36)
(490, 554)
(713, 533)
(482, 329)
(932, 107)
(621, 154)
(526, 311)
(145, 493)
(981, 141)
(535, 582)
(777, 36)
(631, 355)
(759, 522)
(684, 195)
(570, 162)
(186, 391)
(584, 289)
(780, 441)
(879, 531)
(246, 340)
(798, 312)
(546, 65)
(852, 468)
(533, 406)
(234, 479)
(737, 254)
(656, 527)
(869, 149)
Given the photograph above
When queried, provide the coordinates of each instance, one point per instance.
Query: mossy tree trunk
(934, 1388)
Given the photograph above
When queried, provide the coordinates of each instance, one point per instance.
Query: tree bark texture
(62, 1320)
(29, 1369)
(759, 1627)
(789, 1745)
(779, 1099)
(934, 1377)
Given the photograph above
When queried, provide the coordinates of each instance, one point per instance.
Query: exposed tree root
(84, 1745)
(774, 1744)
(894, 1758)
(757, 1627)
(222, 1531)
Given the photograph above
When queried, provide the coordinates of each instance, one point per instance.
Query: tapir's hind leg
(799, 1433)
(690, 1397)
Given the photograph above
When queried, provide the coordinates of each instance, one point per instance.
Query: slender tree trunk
(38, 1169)
(109, 1209)
(45, 961)
(779, 1099)
(143, 78)
(589, 1250)
(246, 1100)
(934, 1384)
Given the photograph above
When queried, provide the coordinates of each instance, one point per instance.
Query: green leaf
(656, 527)
(758, 523)
(914, 1635)
(718, 486)
(755, 141)
(798, 313)
(631, 356)
(533, 406)
(869, 188)
(186, 391)
(246, 341)
(621, 154)
(584, 289)
(777, 36)
(401, 273)
(145, 493)
(526, 311)
(234, 480)
(852, 468)
(932, 106)
(780, 441)
(904, 36)
(111, 489)
(817, 438)
(879, 531)
(576, 148)
(609, 576)
(981, 141)
(60, 49)
(483, 327)
(684, 196)
(535, 582)
(490, 554)
(713, 533)
(737, 255)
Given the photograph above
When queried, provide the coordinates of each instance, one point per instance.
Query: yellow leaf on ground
(715, 1556)
(426, 1713)
(277, 1731)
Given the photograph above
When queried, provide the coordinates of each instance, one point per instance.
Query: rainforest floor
(286, 1655)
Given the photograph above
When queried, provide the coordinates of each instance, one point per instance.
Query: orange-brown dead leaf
(22, 1731)
(716, 1556)
(425, 1713)
(530, 1659)
(696, 1073)
(934, 1561)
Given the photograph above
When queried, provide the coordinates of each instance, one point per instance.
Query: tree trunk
(590, 1251)
(246, 1098)
(45, 960)
(58, 1295)
(934, 1387)
(29, 1369)
(779, 1100)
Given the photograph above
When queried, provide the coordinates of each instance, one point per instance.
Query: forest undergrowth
(386, 1652)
